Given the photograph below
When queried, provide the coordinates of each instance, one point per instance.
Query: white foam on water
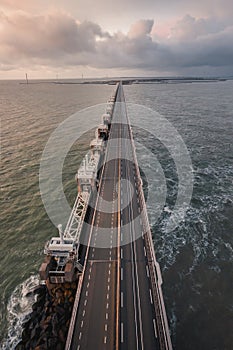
(173, 320)
(18, 309)
(213, 191)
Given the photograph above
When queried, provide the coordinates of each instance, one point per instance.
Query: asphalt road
(116, 308)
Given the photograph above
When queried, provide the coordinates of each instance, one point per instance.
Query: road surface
(117, 306)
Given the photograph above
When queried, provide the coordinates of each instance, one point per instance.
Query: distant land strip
(126, 81)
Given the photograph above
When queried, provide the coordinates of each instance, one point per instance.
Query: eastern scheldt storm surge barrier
(106, 248)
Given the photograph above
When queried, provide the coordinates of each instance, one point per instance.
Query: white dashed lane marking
(122, 332)
(122, 274)
(155, 328)
(144, 251)
(150, 296)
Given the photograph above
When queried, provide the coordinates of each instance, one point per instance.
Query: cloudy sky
(99, 38)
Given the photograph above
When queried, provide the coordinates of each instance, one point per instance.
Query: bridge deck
(119, 303)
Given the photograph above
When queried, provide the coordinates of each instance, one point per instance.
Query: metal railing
(75, 221)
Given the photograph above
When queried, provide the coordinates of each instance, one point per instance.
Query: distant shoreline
(127, 81)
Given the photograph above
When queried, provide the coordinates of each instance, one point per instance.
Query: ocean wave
(202, 225)
(18, 309)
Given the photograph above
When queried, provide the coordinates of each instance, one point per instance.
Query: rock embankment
(48, 324)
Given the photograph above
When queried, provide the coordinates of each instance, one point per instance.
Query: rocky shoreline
(48, 323)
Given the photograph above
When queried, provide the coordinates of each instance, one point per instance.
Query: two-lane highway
(97, 321)
(138, 319)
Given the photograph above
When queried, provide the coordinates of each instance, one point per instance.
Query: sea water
(196, 258)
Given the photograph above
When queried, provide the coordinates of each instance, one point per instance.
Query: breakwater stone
(47, 325)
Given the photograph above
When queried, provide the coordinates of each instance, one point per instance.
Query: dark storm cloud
(44, 36)
(58, 39)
